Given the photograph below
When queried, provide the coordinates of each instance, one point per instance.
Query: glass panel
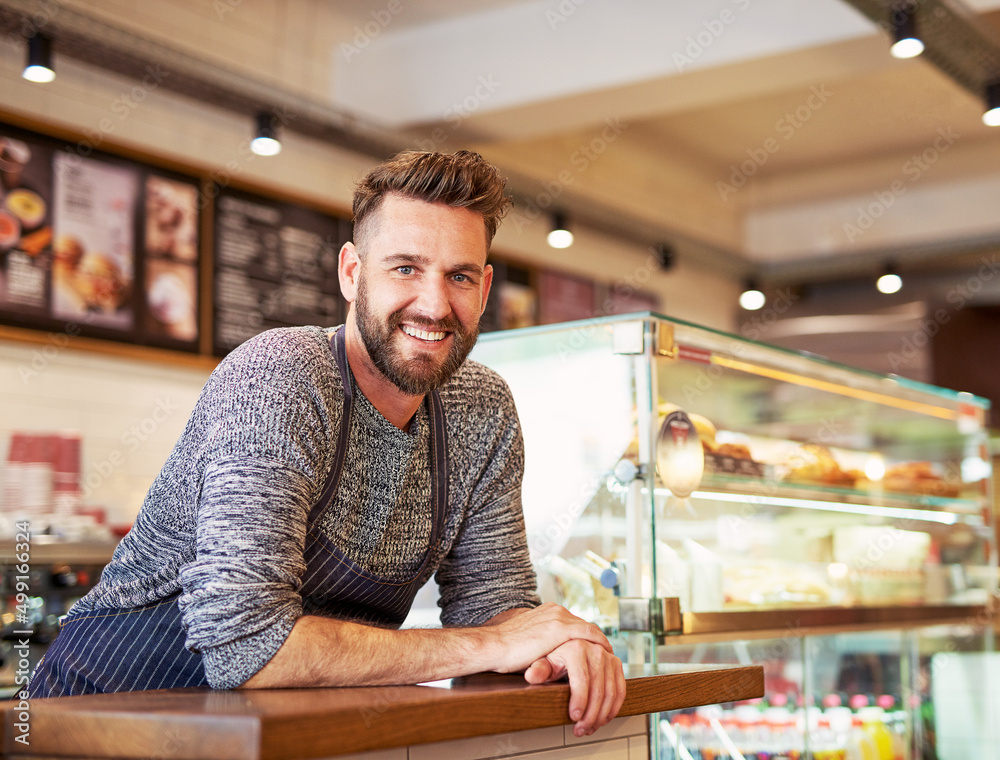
(956, 714)
(858, 688)
(772, 727)
(588, 515)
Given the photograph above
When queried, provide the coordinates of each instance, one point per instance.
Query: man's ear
(348, 270)
(487, 284)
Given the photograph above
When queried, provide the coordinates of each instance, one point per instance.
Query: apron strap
(439, 475)
(339, 349)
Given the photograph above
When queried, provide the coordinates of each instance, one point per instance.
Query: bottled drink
(874, 724)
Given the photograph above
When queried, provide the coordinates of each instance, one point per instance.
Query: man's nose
(433, 301)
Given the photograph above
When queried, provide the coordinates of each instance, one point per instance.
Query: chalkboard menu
(93, 244)
(275, 266)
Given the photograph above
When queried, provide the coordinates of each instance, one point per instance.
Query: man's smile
(415, 332)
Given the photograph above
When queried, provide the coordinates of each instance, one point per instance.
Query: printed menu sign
(512, 301)
(25, 225)
(93, 272)
(170, 242)
(275, 266)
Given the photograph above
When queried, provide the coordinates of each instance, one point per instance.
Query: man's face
(421, 289)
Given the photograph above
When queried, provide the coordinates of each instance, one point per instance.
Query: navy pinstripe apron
(142, 648)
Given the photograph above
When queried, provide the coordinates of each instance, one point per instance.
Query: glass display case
(707, 498)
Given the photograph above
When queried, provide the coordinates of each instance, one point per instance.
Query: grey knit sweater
(224, 523)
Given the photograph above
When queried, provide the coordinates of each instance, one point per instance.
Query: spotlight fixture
(991, 116)
(266, 142)
(889, 282)
(665, 256)
(752, 298)
(38, 67)
(906, 43)
(560, 236)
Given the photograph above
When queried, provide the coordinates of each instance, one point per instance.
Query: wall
(128, 412)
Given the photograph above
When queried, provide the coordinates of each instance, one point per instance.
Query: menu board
(623, 299)
(512, 301)
(275, 266)
(563, 297)
(92, 244)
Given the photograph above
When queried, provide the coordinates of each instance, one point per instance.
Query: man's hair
(463, 180)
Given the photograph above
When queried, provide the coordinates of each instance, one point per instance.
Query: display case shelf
(806, 620)
(946, 510)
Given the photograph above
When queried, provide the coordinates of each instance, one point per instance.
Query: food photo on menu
(25, 225)
(94, 242)
(171, 254)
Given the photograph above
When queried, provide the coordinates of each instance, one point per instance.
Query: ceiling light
(906, 43)
(991, 117)
(560, 236)
(752, 298)
(39, 64)
(665, 256)
(266, 142)
(889, 282)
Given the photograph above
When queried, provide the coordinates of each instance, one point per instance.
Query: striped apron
(142, 648)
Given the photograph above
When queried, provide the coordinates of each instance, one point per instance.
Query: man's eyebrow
(470, 267)
(399, 259)
(405, 258)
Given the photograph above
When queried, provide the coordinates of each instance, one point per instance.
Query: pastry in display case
(770, 495)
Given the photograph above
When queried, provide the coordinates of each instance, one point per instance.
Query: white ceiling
(763, 129)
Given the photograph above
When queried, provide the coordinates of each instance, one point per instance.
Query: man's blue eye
(405, 270)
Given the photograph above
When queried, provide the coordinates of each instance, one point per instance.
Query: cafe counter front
(483, 716)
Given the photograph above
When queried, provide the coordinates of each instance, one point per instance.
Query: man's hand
(522, 636)
(596, 682)
(549, 643)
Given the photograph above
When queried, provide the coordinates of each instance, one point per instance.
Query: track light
(560, 236)
(266, 142)
(665, 256)
(752, 298)
(38, 67)
(905, 42)
(991, 117)
(889, 282)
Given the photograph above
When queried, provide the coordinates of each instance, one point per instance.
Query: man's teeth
(423, 334)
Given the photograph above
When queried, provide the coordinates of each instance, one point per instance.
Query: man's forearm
(325, 652)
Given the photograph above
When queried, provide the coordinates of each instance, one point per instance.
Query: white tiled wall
(128, 412)
(621, 739)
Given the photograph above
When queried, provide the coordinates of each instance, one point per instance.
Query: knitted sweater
(224, 523)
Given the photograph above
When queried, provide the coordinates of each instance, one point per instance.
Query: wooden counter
(309, 723)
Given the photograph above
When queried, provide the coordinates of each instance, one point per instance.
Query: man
(325, 475)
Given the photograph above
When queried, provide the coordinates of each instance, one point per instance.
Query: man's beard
(414, 377)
